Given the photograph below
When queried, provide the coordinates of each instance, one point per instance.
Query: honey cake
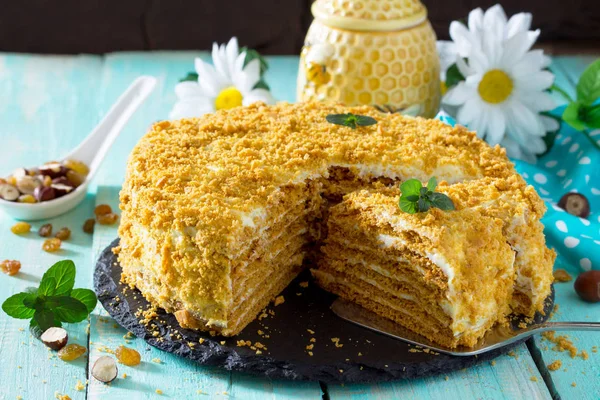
(220, 213)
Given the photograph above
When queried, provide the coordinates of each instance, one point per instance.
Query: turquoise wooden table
(47, 105)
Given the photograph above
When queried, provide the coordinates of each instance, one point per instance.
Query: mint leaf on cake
(350, 120)
(417, 198)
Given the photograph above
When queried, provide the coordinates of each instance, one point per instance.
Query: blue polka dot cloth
(572, 165)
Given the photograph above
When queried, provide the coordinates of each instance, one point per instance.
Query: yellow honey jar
(376, 52)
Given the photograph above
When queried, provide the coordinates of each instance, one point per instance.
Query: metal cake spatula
(499, 336)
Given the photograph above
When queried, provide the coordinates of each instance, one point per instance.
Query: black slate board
(383, 358)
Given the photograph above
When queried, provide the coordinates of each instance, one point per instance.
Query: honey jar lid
(369, 15)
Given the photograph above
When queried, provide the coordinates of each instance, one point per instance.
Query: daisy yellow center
(228, 98)
(495, 86)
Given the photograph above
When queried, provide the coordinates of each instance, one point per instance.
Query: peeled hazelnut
(19, 173)
(45, 230)
(587, 286)
(53, 170)
(105, 369)
(27, 184)
(575, 204)
(77, 166)
(55, 338)
(61, 189)
(44, 193)
(9, 192)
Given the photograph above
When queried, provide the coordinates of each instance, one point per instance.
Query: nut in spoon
(91, 152)
(498, 336)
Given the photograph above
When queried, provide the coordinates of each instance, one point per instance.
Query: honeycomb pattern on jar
(375, 10)
(398, 69)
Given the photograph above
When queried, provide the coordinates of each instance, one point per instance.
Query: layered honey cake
(220, 213)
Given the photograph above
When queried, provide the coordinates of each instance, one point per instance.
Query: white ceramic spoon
(91, 152)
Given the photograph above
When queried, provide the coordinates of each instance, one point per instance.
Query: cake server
(497, 337)
(91, 151)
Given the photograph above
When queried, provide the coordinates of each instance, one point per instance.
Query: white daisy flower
(505, 82)
(227, 84)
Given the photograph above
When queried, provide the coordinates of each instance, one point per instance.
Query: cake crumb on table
(560, 275)
(157, 360)
(493, 362)
(562, 343)
(304, 284)
(158, 391)
(554, 366)
(79, 386)
(279, 300)
(573, 384)
(533, 379)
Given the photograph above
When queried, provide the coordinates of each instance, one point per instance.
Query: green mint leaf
(363, 120)
(423, 205)
(14, 307)
(33, 301)
(44, 319)
(411, 187)
(571, 116)
(64, 274)
(588, 87)
(190, 77)
(407, 206)
(441, 201)
(453, 76)
(47, 286)
(87, 297)
(35, 329)
(413, 197)
(432, 183)
(350, 120)
(253, 55)
(67, 309)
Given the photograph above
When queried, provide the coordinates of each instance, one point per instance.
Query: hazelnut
(27, 184)
(61, 189)
(587, 286)
(9, 192)
(575, 204)
(53, 170)
(105, 369)
(44, 193)
(55, 338)
(19, 173)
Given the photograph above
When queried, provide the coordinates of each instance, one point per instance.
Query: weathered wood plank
(47, 104)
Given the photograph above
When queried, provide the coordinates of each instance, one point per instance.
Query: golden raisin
(102, 209)
(10, 267)
(75, 178)
(45, 230)
(12, 180)
(127, 356)
(20, 228)
(77, 166)
(47, 182)
(107, 219)
(88, 226)
(27, 198)
(51, 245)
(63, 233)
(71, 352)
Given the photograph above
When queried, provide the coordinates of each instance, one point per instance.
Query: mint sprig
(350, 120)
(416, 198)
(53, 302)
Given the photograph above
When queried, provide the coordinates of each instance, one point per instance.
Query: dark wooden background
(270, 26)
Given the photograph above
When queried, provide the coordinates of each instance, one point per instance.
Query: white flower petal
(538, 81)
(536, 101)
(258, 95)
(478, 61)
(463, 39)
(550, 124)
(245, 80)
(496, 127)
(458, 94)
(476, 20)
(470, 111)
(494, 20)
(208, 78)
(232, 51)
(464, 69)
(517, 46)
(188, 89)
(220, 62)
(532, 61)
(520, 22)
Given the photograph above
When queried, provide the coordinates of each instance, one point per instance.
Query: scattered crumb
(341, 371)
(310, 331)
(560, 275)
(58, 396)
(584, 354)
(158, 391)
(222, 342)
(493, 362)
(573, 384)
(336, 342)
(533, 379)
(313, 340)
(79, 386)
(260, 332)
(562, 343)
(304, 284)
(447, 378)
(279, 300)
(157, 360)
(359, 354)
(124, 376)
(258, 352)
(310, 353)
(310, 347)
(522, 325)
(298, 294)
(201, 340)
(513, 354)
(555, 365)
